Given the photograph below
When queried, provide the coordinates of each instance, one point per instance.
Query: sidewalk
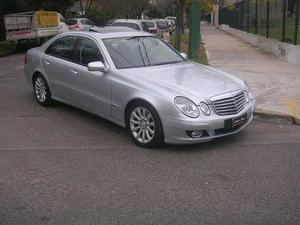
(275, 83)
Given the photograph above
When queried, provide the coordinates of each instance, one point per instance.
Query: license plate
(239, 121)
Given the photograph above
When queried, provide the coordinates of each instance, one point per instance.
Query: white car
(138, 81)
(80, 24)
(134, 24)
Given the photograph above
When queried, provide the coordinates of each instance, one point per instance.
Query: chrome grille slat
(225, 100)
(225, 103)
(238, 104)
(229, 105)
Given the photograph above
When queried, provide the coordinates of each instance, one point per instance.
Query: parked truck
(35, 26)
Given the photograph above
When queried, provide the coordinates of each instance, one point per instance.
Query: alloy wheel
(40, 89)
(142, 125)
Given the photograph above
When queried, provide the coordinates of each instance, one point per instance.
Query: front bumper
(175, 130)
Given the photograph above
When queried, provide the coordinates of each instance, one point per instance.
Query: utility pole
(194, 29)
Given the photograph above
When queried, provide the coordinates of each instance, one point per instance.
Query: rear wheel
(41, 90)
(144, 125)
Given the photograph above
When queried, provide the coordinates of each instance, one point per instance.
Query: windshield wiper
(165, 63)
(130, 38)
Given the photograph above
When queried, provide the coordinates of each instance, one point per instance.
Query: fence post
(268, 19)
(248, 14)
(256, 3)
(283, 21)
(242, 14)
(194, 31)
(235, 16)
(296, 22)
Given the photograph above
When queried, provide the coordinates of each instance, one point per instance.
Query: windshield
(131, 52)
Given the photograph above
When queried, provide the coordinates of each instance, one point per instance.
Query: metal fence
(277, 19)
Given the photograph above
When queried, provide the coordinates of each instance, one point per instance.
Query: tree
(85, 8)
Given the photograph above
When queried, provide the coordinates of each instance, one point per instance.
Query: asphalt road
(61, 166)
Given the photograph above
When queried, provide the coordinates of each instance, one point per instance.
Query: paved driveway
(61, 166)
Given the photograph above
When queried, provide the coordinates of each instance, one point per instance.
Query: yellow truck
(32, 26)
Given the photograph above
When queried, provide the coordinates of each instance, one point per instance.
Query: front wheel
(41, 90)
(144, 125)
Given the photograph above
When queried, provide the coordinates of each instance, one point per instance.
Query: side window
(86, 22)
(88, 51)
(145, 26)
(63, 48)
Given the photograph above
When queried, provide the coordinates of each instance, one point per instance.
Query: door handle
(74, 72)
(46, 62)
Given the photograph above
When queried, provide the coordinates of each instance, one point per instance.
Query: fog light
(196, 133)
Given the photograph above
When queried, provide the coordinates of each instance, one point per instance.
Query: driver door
(93, 88)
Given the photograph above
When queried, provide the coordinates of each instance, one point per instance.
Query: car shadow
(121, 132)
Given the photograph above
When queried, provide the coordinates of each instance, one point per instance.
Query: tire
(41, 90)
(144, 125)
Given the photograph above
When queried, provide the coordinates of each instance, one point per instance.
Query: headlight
(187, 107)
(205, 108)
(248, 91)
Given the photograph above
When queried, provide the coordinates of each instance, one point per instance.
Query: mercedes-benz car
(140, 82)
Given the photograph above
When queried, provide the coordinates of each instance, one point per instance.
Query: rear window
(72, 22)
(125, 24)
(64, 48)
(86, 22)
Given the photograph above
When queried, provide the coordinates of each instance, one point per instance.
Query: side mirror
(96, 66)
(184, 55)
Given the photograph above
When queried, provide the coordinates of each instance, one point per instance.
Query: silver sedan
(139, 82)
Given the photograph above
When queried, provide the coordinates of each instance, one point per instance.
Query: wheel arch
(132, 101)
(38, 72)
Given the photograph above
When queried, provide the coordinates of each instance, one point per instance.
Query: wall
(288, 52)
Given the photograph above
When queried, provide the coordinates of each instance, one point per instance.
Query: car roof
(78, 19)
(127, 21)
(111, 29)
(152, 21)
(98, 35)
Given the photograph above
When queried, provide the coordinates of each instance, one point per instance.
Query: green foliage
(98, 16)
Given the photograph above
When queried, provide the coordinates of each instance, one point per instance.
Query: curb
(276, 116)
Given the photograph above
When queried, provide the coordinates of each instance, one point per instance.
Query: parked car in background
(139, 82)
(62, 22)
(151, 26)
(171, 20)
(35, 26)
(134, 24)
(162, 29)
(80, 24)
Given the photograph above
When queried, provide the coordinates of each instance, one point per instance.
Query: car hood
(189, 79)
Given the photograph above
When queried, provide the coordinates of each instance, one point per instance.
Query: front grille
(229, 105)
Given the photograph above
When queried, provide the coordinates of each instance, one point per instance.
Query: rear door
(57, 62)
